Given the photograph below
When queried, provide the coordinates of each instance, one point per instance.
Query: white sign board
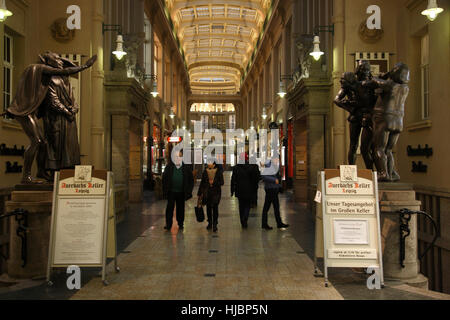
(79, 231)
(348, 220)
(83, 220)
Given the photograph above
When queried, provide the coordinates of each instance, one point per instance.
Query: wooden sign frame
(108, 245)
(325, 237)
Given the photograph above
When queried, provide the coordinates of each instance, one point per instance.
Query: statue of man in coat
(44, 92)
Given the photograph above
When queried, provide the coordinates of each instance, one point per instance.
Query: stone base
(394, 197)
(39, 207)
(34, 187)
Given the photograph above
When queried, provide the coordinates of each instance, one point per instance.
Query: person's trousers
(213, 214)
(244, 210)
(271, 198)
(175, 199)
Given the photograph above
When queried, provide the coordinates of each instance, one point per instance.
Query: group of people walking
(178, 184)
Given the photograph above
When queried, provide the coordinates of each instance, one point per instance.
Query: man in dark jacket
(178, 183)
(272, 186)
(255, 167)
(243, 181)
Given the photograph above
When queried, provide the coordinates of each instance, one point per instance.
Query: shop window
(8, 68)
(425, 75)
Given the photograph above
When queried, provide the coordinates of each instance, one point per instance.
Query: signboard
(174, 139)
(83, 220)
(348, 220)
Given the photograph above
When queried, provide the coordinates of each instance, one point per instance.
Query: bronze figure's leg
(355, 131)
(393, 138)
(31, 128)
(380, 139)
(367, 147)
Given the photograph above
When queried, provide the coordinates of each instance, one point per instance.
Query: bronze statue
(359, 101)
(43, 92)
(392, 89)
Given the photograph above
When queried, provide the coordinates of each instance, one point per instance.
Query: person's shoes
(267, 227)
(215, 229)
(244, 226)
(167, 228)
(181, 227)
(209, 227)
(283, 225)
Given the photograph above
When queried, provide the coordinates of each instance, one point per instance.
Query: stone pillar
(97, 77)
(394, 197)
(39, 207)
(339, 121)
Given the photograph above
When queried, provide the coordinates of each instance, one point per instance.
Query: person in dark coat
(243, 180)
(178, 183)
(272, 186)
(255, 167)
(210, 191)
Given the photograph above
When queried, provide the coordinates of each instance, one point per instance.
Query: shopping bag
(199, 213)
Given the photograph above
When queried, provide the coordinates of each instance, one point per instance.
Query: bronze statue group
(44, 92)
(377, 107)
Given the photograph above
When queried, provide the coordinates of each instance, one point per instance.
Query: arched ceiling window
(218, 38)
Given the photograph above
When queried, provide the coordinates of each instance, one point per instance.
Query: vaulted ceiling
(218, 39)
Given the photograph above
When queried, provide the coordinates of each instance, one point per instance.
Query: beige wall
(437, 132)
(403, 25)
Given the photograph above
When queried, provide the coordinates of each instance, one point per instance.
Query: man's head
(363, 72)
(400, 73)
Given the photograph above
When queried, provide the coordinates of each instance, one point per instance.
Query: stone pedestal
(39, 207)
(394, 197)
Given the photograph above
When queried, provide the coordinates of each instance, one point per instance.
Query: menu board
(79, 231)
(348, 219)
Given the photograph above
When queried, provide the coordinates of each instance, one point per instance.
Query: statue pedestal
(39, 207)
(394, 197)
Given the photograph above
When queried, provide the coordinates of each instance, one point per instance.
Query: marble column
(339, 119)
(97, 155)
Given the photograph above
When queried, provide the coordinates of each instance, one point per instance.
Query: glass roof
(218, 38)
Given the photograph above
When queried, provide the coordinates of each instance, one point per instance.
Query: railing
(5, 195)
(434, 264)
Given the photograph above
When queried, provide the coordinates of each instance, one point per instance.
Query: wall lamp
(4, 12)
(119, 52)
(169, 105)
(432, 10)
(282, 93)
(153, 77)
(264, 112)
(317, 53)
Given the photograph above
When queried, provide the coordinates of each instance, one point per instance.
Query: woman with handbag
(210, 192)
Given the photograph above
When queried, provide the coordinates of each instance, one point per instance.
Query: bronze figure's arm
(343, 103)
(48, 70)
(58, 106)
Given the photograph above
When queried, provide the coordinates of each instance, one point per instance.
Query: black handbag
(199, 213)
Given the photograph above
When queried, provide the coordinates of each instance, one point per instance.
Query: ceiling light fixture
(432, 10)
(4, 12)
